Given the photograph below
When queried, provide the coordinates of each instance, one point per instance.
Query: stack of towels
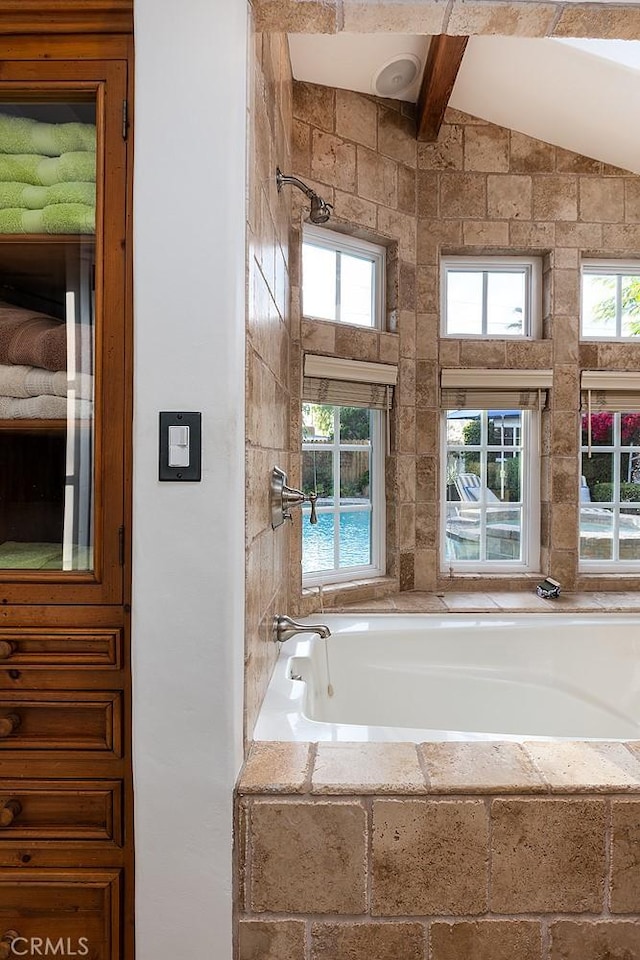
(33, 360)
(47, 176)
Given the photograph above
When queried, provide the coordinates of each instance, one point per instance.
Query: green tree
(606, 309)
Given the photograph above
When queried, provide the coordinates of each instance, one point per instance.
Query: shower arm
(282, 180)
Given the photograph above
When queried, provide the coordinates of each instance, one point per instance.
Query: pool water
(318, 551)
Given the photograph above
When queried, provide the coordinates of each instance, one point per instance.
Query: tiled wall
(268, 354)
(480, 189)
(440, 852)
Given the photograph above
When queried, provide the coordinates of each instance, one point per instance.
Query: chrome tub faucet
(285, 627)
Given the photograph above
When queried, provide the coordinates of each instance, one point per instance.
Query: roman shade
(350, 383)
(611, 390)
(483, 389)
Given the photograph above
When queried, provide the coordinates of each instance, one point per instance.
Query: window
(497, 297)
(610, 491)
(610, 300)
(491, 509)
(342, 278)
(342, 454)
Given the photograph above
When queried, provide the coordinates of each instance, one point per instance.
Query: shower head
(320, 209)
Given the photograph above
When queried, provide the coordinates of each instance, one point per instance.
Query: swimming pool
(318, 542)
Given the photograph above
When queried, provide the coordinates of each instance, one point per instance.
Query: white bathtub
(458, 677)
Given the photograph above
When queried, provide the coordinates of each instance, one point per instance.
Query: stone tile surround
(525, 18)
(439, 851)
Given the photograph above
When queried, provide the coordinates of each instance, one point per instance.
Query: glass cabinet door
(62, 333)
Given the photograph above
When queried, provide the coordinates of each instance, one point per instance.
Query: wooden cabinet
(66, 844)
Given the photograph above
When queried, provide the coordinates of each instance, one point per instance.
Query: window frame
(532, 321)
(615, 268)
(344, 243)
(617, 449)
(377, 511)
(529, 503)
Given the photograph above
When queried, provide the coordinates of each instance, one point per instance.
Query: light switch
(178, 446)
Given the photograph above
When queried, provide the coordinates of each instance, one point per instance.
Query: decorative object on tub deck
(320, 209)
(284, 497)
(549, 589)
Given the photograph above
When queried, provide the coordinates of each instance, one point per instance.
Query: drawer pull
(6, 649)
(9, 810)
(7, 726)
(5, 943)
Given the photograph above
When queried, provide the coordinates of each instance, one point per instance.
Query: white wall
(188, 588)
(554, 92)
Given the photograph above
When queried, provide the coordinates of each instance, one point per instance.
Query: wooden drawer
(71, 913)
(61, 810)
(61, 720)
(27, 648)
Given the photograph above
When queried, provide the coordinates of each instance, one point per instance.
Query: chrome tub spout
(285, 627)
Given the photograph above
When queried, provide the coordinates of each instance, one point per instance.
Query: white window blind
(463, 389)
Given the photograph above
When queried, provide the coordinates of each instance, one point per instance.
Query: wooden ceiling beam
(443, 63)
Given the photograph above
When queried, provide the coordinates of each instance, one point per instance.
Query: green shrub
(629, 492)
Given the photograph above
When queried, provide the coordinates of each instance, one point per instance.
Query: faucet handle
(312, 500)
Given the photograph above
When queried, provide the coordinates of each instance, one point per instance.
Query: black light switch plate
(192, 471)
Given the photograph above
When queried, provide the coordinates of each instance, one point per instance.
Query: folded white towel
(42, 408)
(21, 381)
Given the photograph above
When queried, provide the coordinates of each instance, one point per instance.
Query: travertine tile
(381, 16)
(463, 195)
(547, 856)
(397, 225)
(362, 941)
(389, 347)
(359, 344)
(275, 767)
(606, 21)
(397, 137)
(355, 210)
(531, 235)
(297, 846)
(501, 17)
(446, 153)
(480, 768)
(427, 334)
(356, 118)
(581, 767)
(429, 857)
(301, 148)
(318, 336)
(528, 155)
(564, 524)
(564, 480)
(407, 571)
(416, 601)
(360, 768)
(555, 198)
(482, 353)
(632, 200)
(509, 197)
(271, 939)
(486, 940)
(427, 182)
(625, 856)
(377, 177)
(529, 354)
(333, 160)
(314, 104)
(624, 237)
(601, 200)
(285, 16)
(594, 939)
(586, 236)
(486, 149)
(433, 234)
(566, 292)
(407, 190)
(566, 339)
(568, 162)
(485, 233)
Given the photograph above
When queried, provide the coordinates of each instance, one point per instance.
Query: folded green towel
(44, 171)
(57, 218)
(29, 197)
(24, 135)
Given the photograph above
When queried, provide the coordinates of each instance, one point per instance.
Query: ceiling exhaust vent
(396, 75)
